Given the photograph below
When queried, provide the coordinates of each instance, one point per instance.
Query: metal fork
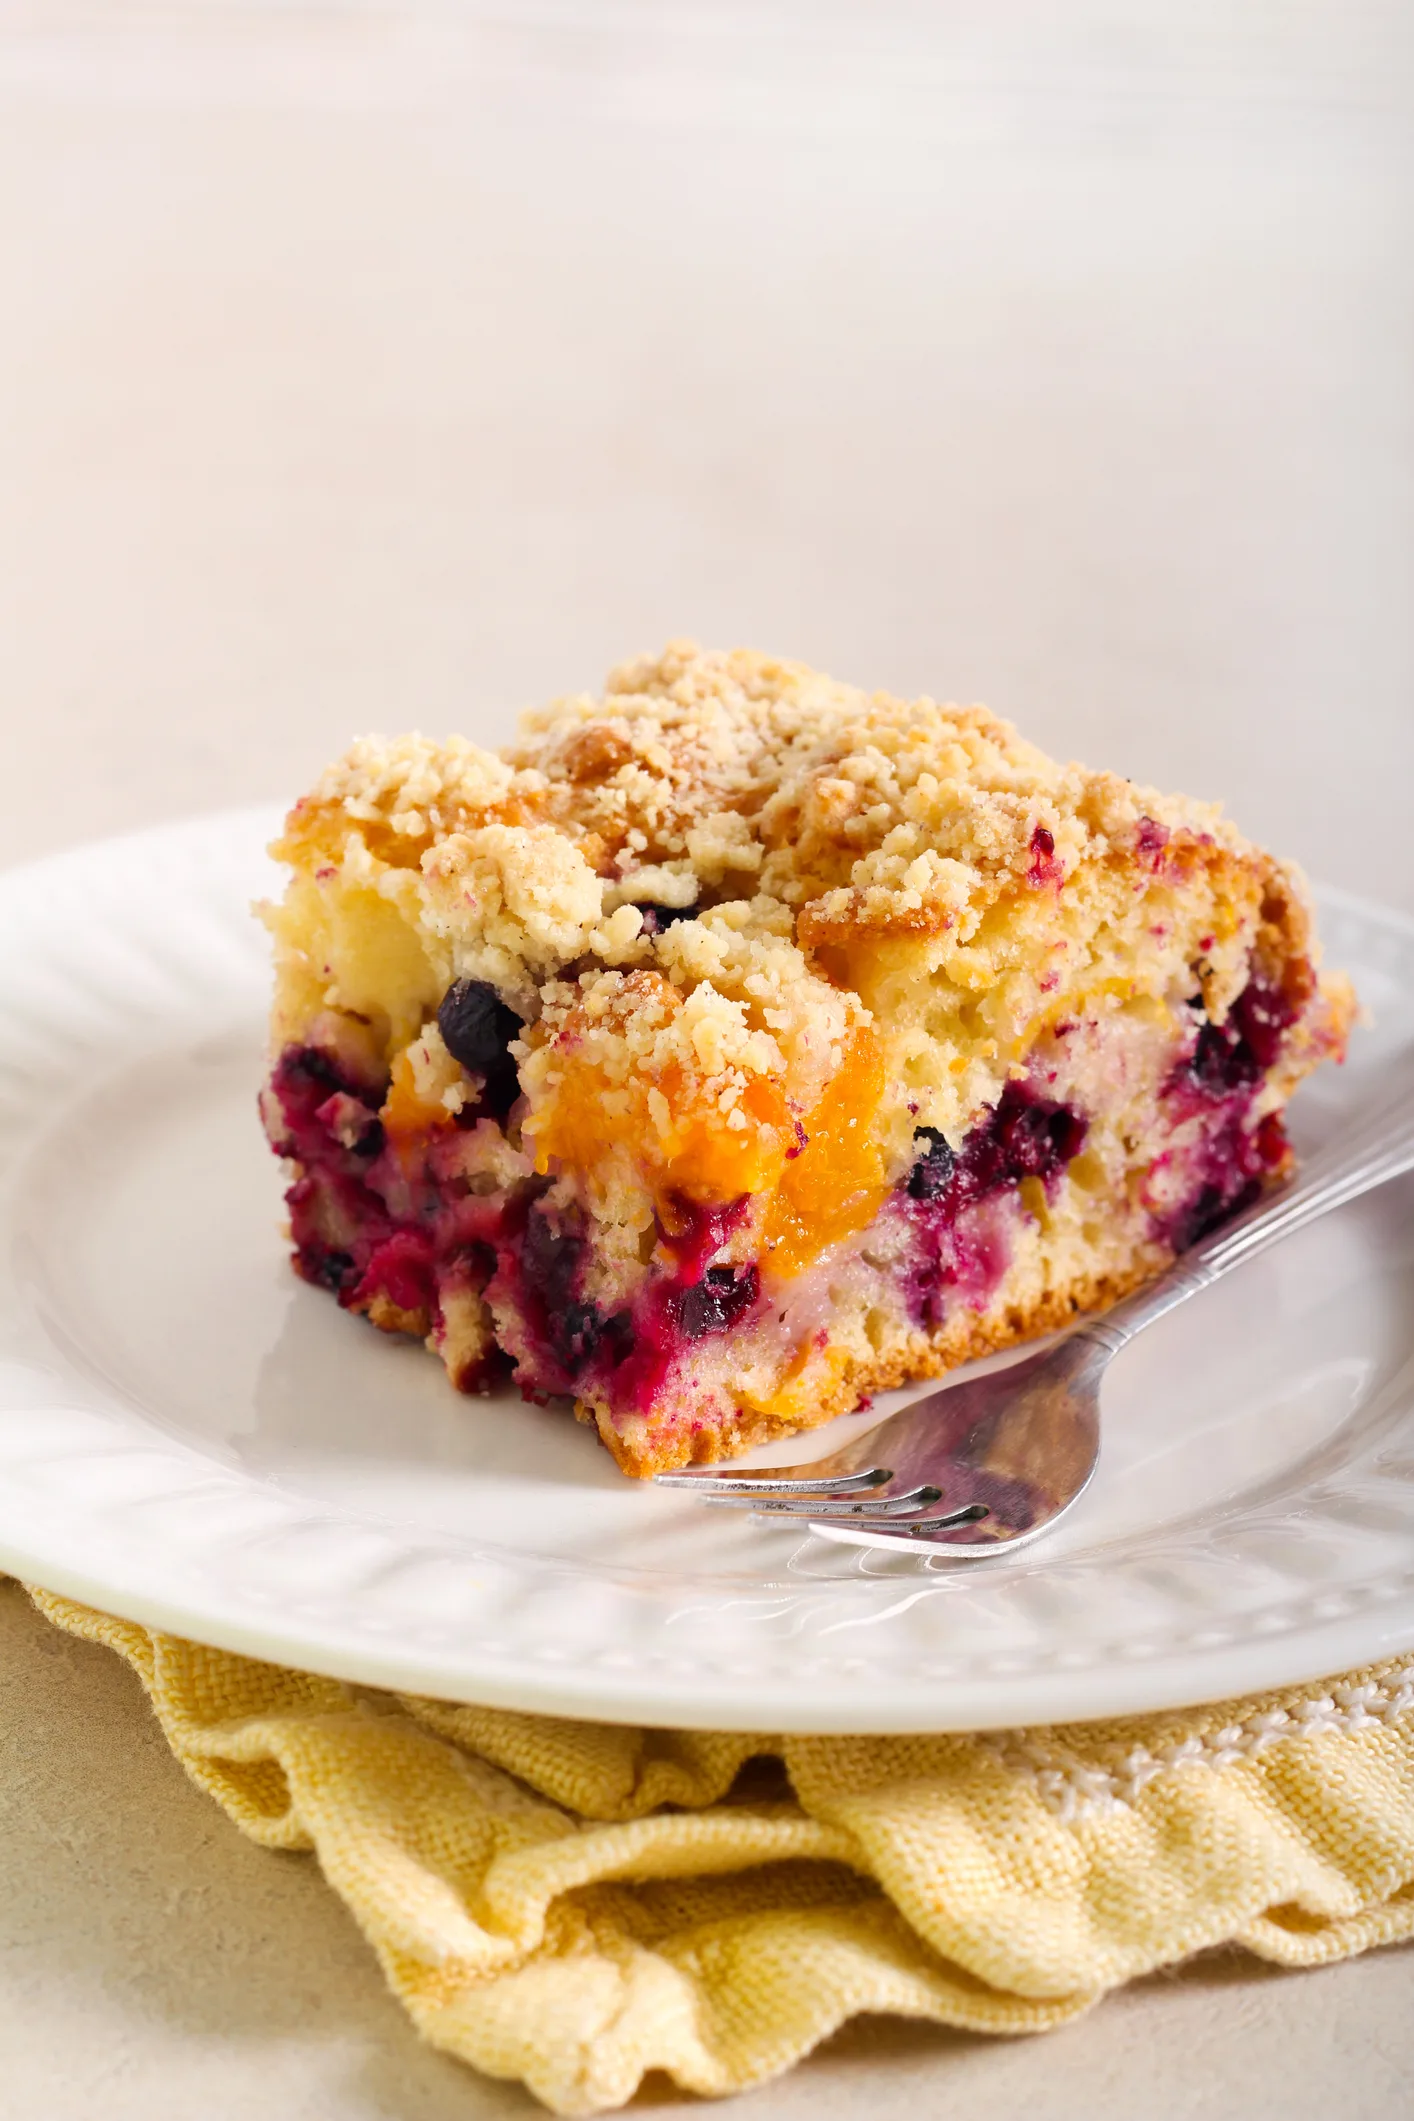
(986, 1464)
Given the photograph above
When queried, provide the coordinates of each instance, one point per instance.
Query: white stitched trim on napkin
(1073, 1788)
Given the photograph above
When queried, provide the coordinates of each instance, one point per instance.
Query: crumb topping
(707, 769)
(726, 866)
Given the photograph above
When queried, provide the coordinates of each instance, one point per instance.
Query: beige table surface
(374, 365)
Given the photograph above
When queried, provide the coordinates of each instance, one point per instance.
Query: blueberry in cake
(738, 1044)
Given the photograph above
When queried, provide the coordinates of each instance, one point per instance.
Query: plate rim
(1347, 1644)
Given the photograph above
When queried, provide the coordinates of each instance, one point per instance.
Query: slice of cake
(739, 1044)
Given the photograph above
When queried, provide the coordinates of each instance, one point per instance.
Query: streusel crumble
(739, 1043)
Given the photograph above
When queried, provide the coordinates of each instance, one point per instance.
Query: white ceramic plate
(192, 1438)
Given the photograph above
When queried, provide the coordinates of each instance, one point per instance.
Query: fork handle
(1378, 1147)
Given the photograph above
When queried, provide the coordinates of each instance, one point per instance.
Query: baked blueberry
(477, 1026)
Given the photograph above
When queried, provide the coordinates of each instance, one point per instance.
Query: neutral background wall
(379, 365)
(385, 365)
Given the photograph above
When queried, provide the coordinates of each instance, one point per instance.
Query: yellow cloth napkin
(574, 1904)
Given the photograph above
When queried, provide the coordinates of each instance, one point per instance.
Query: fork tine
(787, 1482)
(910, 1503)
(912, 1531)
